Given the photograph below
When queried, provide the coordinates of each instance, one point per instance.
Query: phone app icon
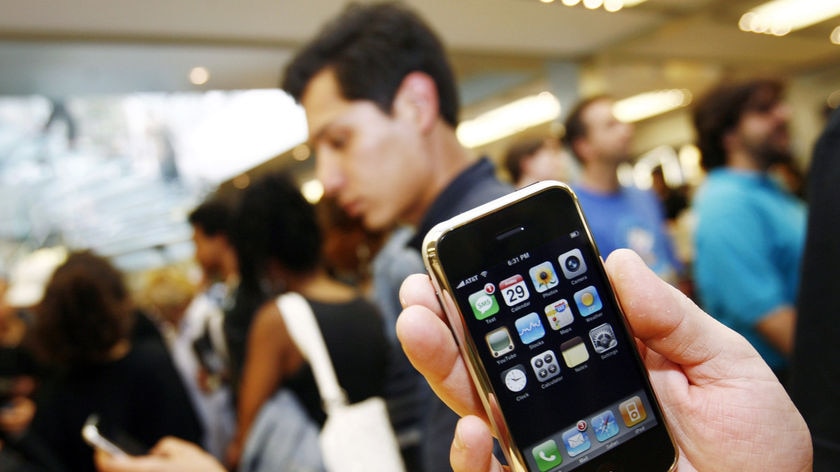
(603, 338)
(499, 342)
(572, 263)
(514, 290)
(559, 314)
(483, 303)
(543, 276)
(632, 411)
(588, 301)
(547, 455)
(529, 328)
(576, 441)
(545, 366)
(574, 352)
(515, 378)
(604, 425)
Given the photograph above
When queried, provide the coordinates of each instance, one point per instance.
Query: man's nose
(328, 171)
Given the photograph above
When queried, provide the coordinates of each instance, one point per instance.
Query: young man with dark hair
(382, 107)
(750, 230)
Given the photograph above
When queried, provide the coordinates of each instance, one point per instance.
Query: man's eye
(337, 142)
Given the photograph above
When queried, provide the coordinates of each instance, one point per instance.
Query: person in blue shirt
(750, 230)
(619, 216)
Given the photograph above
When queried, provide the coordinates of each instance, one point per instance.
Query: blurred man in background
(534, 159)
(750, 230)
(620, 216)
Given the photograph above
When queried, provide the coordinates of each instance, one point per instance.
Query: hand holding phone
(545, 340)
(690, 357)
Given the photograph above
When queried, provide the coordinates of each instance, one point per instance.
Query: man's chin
(374, 222)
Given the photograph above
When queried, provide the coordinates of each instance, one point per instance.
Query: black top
(476, 185)
(815, 366)
(353, 333)
(139, 399)
(473, 187)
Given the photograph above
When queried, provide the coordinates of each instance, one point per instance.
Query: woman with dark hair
(83, 332)
(278, 243)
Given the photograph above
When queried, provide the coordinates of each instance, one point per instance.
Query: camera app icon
(572, 263)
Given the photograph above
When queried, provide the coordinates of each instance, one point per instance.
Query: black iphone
(549, 350)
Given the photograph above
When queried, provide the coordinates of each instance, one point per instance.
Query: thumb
(669, 323)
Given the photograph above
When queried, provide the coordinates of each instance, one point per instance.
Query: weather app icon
(588, 301)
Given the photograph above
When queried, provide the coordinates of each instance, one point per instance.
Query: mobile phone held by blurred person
(551, 355)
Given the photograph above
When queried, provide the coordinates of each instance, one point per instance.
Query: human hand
(723, 404)
(169, 455)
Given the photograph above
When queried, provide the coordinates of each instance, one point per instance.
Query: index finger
(430, 345)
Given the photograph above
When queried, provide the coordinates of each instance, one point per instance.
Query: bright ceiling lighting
(613, 5)
(609, 5)
(648, 104)
(199, 75)
(509, 119)
(835, 36)
(780, 17)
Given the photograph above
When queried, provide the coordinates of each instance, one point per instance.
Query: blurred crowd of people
(198, 359)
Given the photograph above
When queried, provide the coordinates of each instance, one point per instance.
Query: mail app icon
(576, 441)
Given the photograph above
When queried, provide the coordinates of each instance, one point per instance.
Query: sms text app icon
(547, 455)
(484, 304)
(543, 276)
(559, 314)
(572, 263)
(588, 301)
(529, 328)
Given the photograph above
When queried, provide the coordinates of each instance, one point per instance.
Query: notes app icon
(574, 352)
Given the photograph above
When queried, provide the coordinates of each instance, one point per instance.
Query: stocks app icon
(530, 328)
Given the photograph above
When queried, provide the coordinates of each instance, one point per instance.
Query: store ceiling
(57, 47)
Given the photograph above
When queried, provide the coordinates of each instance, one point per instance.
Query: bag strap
(303, 328)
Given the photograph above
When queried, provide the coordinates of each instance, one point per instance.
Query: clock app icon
(515, 378)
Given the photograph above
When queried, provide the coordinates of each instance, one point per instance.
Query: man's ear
(582, 148)
(417, 100)
(729, 140)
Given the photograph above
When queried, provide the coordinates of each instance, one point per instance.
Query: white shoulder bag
(357, 437)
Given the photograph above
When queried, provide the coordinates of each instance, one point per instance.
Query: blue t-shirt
(631, 218)
(748, 248)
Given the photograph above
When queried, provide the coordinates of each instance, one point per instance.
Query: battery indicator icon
(574, 234)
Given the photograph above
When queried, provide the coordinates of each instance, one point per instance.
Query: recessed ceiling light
(199, 75)
(780, 17)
